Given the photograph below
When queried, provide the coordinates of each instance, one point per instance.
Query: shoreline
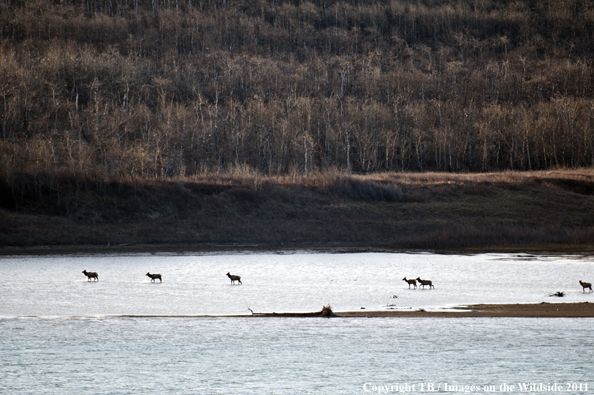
(329, 247)
(518, 310)
(193, 248)
(509, 310)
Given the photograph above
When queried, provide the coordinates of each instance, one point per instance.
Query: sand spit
(521, 310)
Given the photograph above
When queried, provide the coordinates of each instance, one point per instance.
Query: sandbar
(525, 310)
(520, 310)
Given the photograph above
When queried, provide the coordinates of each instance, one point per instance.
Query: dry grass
(390, 210)
(245, 175)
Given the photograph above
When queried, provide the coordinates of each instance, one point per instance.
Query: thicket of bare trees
(120, 89)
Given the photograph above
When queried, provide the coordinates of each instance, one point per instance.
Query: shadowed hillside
(538, 210)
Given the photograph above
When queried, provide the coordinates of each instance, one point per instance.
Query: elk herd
(413, 281)
(93, 276)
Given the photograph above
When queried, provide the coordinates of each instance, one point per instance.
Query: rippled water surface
(289, 355)
(60, 334)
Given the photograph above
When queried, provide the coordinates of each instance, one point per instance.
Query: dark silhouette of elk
(154, 276)
(425, 282)
(234, 278)
(91, 275)
(410, 281)
(585, 286)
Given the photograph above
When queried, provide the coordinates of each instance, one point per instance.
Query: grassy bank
(508, 210)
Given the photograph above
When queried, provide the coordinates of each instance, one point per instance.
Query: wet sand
(526, 310)
(543, 310)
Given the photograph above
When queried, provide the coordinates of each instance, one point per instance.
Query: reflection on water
(198, 284)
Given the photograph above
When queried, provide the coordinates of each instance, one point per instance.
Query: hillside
(494, 211)
(395, 123)
(120, 89)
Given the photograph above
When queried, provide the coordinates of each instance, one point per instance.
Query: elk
(410, 282)
(154, 276)
(91, 275)
(585, 286)
(425, 282)
(234, 278)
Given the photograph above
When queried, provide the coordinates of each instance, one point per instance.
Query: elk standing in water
(91, 275)
(410, 282)
(154, 276)
(425, 282)
(585, 286)
(234, 278)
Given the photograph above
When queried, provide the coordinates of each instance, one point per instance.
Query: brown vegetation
(194, 121)
(126, 89)
(553, 209)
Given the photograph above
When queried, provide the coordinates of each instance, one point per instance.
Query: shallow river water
(60, 334)
(300, 282)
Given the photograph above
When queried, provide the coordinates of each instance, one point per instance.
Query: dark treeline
(120, 89)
